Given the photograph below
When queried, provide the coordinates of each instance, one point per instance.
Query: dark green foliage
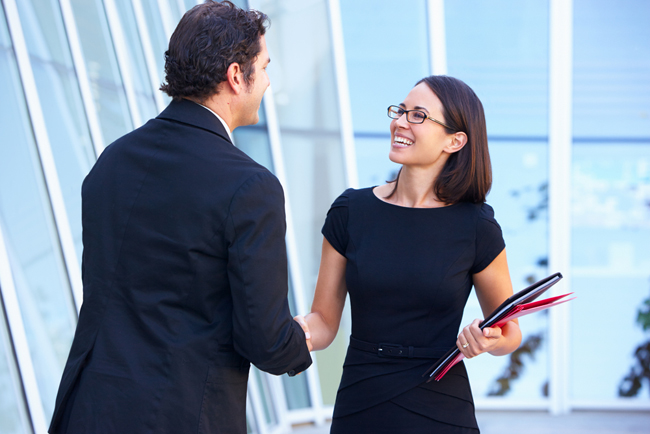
(632, 383)
(643, 317)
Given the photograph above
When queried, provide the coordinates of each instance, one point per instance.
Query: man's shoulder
(259, 180)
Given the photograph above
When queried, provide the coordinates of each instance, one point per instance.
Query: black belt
(395, 350)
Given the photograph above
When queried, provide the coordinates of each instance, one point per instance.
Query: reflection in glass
(41, 283)
(610, 196)
(502, 53)
(60, 100)
(381, 74)
(103, 72)
(611, 265)
(611, 80)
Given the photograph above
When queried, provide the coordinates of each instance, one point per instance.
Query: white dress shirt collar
(225, 125)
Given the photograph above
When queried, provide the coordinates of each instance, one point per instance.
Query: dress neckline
(372, 193)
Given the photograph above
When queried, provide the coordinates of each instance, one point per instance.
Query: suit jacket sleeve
(263, 329)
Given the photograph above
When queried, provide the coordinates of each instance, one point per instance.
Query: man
(184, 263)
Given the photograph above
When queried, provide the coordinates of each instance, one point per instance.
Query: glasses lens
(395, 112)
(416, 117)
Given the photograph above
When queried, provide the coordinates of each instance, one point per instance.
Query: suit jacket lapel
(191, 113)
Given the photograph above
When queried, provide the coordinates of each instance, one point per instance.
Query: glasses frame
(406, 112)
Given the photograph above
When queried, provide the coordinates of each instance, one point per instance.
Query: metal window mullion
(119, 43)
(48, 166)
(149, 56)
(437, 39)
(9, 299)
(560, 142)
(166, 17)
(292, 246)
(82, 77)
(343, 93)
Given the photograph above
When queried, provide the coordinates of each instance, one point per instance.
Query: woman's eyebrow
(417, 107)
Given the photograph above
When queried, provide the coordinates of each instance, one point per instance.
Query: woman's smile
(402, 142)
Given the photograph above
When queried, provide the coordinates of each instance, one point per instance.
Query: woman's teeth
(403, 141)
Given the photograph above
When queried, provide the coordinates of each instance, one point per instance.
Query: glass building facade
(566, 90)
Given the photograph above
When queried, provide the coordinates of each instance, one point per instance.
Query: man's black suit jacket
(185, 283)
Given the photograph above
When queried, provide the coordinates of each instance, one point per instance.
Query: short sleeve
(335, 229)
(489, 239)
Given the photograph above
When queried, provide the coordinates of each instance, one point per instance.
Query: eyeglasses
(412, 116)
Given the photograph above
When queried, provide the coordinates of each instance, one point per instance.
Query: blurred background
(566, 90)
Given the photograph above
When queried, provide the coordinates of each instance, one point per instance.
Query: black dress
(409, 275)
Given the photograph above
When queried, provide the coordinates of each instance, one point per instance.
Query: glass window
(304, 89)
(611, 81)
(189, 4)
(611, 270)
(103, 72)
(302, 76)
(60, 100)
(502, 54)
(137, 65)
(500, 48)
(266, 398)
(159, 39)
(254, 141)
(13, 413)
(174, 9)
(610, 197)
(382, 69)
(31, 241)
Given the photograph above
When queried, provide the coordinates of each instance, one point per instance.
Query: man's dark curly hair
(208, 39)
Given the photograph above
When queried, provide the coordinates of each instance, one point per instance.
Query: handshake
(305, 327)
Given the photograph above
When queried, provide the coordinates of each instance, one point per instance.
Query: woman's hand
(473, 341)
(305, 327)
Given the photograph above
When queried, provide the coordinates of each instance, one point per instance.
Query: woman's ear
(458, 140)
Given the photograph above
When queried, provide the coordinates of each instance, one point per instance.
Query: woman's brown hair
(467, 174)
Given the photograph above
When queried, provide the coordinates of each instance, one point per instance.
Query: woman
(408, 253)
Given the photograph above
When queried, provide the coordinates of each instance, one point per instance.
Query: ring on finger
(465, 345)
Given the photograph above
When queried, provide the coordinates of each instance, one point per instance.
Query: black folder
(517, 305)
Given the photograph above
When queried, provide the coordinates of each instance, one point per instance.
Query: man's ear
(235, 78)
(458, 140)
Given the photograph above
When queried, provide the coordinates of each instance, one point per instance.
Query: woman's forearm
(322, 333)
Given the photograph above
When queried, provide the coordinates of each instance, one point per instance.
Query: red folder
(517, 305)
